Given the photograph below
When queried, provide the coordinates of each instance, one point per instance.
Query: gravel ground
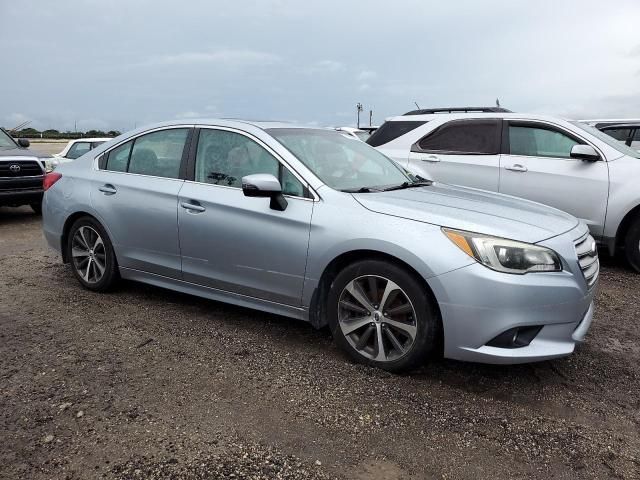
(148, 383)
(47, 147)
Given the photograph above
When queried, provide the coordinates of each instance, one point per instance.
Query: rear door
(537, 165)
(460, 152)
(135, 192)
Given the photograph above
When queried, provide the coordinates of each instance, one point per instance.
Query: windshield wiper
(403, 185)
(361, 190)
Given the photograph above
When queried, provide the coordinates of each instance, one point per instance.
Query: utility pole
(370, 118)
(358, 110)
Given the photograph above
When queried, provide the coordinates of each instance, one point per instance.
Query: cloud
(206, 111)
(14, 119)
(324, 66)
(231, 58)
(366, 75)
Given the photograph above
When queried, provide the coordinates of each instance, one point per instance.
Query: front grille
(588, 258)
(19, 168)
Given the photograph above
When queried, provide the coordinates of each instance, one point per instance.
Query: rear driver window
(157, 154)
(465, 136)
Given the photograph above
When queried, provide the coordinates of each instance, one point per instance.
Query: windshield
(363, 135)
(621, 147)
(341, 162)
(6, 141)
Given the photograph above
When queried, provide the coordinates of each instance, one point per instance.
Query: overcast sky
(114, 64)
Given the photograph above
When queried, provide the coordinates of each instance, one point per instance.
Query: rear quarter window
(479, 137)
(391, 130)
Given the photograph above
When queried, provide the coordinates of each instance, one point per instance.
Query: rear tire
(91, 255)
(632, 245)
(37, 208)
(381, 315)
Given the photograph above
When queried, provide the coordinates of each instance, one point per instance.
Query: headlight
(50, 164)
(504, 255)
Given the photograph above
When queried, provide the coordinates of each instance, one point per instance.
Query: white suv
(568, 165)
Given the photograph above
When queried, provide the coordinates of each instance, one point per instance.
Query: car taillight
(49, 179)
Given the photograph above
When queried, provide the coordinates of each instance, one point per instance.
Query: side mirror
(24, 143)
(264, 185)
(585, 152)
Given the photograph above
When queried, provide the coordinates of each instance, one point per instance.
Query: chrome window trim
(270, 150)
(133, 137)
(278, 157)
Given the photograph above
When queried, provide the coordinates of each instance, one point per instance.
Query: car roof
(228, 122)
(350, 129)
(621, 125)
(463, 115)
(94, 139)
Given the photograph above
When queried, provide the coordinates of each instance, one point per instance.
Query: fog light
(515, 337)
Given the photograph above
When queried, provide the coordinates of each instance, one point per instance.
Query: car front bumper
(20, 196)
(478, 304)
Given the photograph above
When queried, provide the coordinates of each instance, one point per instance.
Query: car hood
(19, 152)
(472, 210)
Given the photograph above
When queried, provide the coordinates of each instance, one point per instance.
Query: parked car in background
(603, 122)
(21, 173)
(76, 148)
(357, 133)
(566, 164)
(312, 224)
(627, 133)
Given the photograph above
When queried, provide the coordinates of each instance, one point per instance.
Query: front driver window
(539, 142)
(224, 157)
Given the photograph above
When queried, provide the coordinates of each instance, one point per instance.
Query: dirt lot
(146, 383)
(48, 147)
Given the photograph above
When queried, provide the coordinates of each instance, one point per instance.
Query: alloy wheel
(89, 254)
(377, 318)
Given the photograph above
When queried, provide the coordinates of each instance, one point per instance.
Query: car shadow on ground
(15, 215)
(474, 378)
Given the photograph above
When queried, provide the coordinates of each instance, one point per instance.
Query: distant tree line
(51, 133)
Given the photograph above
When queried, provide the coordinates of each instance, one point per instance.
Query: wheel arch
(68, 223)
(317, 313)
(624, 226)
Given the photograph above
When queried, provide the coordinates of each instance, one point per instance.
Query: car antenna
(416, 104)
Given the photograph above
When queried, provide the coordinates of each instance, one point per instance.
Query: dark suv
(21, 173)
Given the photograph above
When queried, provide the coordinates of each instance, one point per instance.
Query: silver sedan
(313, 225)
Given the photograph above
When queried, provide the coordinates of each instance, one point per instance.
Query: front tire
(381, 315)
(632, 245)
(91, 255)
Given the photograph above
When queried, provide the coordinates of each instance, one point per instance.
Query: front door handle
(108, 189)
(192, 207)
(517, 168)
(431, 158)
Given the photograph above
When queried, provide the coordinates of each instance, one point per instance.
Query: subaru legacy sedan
(313, 225)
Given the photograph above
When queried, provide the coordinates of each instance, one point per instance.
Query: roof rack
(427, 111)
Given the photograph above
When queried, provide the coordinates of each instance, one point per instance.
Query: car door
(235, 243)
(460, 152)
(135, 192)
(537, 165)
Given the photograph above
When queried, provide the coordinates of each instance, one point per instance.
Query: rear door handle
(192, 207)
(431, 158)
(517, 168)
(108, 189)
